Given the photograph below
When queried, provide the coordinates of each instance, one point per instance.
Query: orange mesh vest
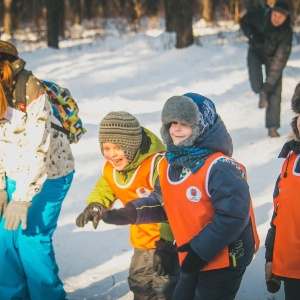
(286, 255)
(142, 236)
(188, 198)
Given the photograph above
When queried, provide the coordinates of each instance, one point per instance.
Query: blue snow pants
(28, 269)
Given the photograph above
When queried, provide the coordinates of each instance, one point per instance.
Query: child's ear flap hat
(122, 129)
(295, 104)
(190, 109)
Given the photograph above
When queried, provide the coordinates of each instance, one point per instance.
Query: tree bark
(169, 15)
(52, 24)
(7, 22)
(183, 11)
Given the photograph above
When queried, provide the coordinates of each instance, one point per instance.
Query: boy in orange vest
(206, 198)
(282, 241)
(132, 153)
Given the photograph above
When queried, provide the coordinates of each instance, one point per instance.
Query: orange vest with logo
(182, 202)
(286, 253)
(142, 236)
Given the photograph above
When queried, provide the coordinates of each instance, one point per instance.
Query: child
(206, 199)
(132, 153)
(282, 241)
(36, 171)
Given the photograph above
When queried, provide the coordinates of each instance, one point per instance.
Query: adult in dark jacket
(282, 241)
(270, 40)
(206, 199)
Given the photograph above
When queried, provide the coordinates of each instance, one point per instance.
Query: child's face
(115, 156)
(179, 132)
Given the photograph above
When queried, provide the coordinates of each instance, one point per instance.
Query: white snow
(138, 74)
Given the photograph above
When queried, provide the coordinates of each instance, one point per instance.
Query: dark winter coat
(272, 44)
(229, 193)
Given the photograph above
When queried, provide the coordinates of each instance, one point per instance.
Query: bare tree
(52, 24)
(169, 15)
(7, 20)
(183, 12)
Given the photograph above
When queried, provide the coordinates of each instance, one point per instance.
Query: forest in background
(55, 20)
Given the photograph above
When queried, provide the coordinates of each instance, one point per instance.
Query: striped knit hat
(122, 129)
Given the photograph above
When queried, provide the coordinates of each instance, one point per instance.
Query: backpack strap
(20, 87)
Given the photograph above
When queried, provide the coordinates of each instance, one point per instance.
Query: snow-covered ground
(138, 74)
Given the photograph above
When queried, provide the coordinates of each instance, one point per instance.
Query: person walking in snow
(203, 193)
(132, 153)
(36, 171)
(270, 41)
(282, 241)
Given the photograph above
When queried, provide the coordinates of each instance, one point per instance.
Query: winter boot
(263, 100)
(273, 132)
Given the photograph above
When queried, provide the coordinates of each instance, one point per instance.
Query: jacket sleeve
(102, 193)
(270, 239)
(230, 198)
(27, 143)
(251, 22)
(280, 58)
(150, 209)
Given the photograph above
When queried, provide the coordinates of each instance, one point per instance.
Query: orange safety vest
(187, 214)
(142, 236)
(286, 253)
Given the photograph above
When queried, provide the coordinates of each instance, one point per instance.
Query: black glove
(272, 281)
(121, 216)
(164, 257)
(192, 262)
(266, 88)
(91, 213)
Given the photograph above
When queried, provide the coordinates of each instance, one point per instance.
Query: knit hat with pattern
(122, 129)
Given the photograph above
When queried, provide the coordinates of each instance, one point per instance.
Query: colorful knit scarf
(189, 157)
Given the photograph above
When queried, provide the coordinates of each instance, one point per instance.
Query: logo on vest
(193, 194)
(142, 192)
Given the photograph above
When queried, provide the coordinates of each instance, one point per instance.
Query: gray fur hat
(191, 109)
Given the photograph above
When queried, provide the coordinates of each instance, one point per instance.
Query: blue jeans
(28, 268)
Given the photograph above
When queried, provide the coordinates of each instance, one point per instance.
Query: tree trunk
(52, 24)
(169, 15)
(7, 22)
(207, 11)
(183, 11)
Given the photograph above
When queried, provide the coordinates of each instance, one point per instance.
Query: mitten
(272, 281)
(266, 88)
(91, 213)
(3, 201)
(192, 262)
(15, 213)
(122, 216)
(164, 257)
(257, 38)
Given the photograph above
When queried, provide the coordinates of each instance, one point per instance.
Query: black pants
(220, 284)
(292, 289)
(256, 77)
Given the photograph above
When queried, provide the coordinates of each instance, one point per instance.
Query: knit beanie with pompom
(190, 109)
(122, 129)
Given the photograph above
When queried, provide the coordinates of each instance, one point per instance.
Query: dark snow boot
(273, 132)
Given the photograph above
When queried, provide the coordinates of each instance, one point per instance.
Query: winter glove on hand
(15, 213)
(91, 213)
(3, 202)
(122, 216)
(164, 257)
(192, 262)
(272, 281)
(266, 88)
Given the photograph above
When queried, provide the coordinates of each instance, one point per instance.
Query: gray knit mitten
(3, 201)
(272, 281)
(16, 212)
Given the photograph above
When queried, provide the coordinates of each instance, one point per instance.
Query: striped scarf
(189, 157)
